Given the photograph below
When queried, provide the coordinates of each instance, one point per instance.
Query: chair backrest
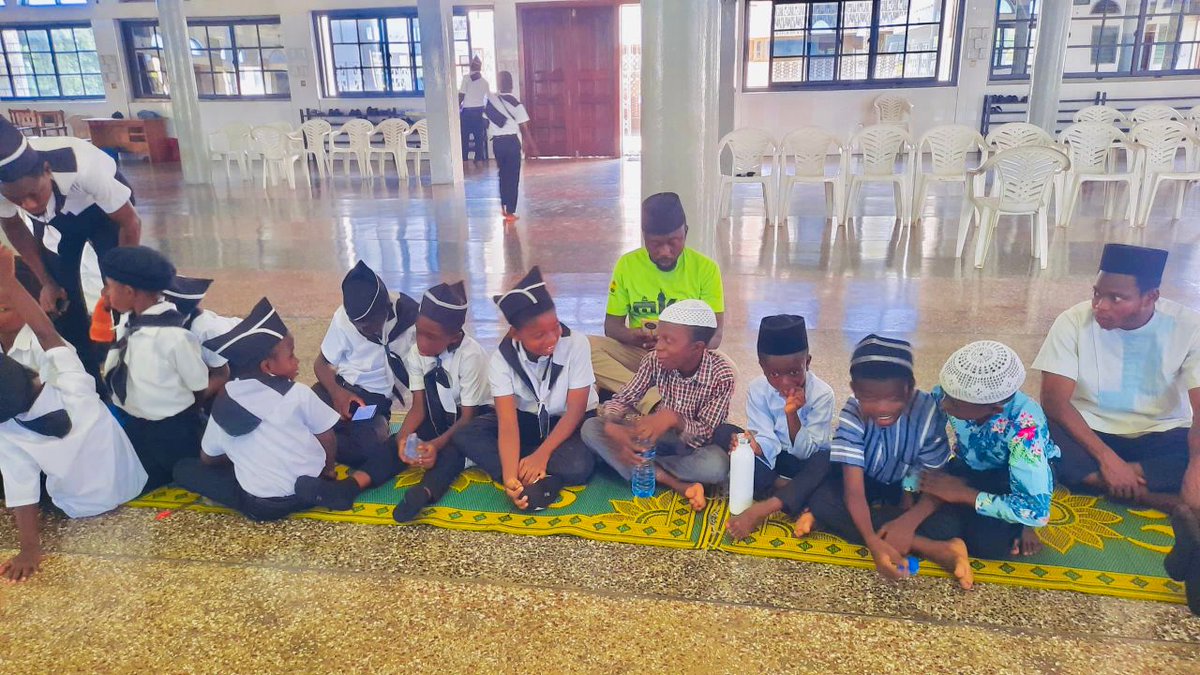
(1100, 113)
(271, 141)
(359, 132)
(1017, 135)
(879, 145)
(1024, 175)
(394, 132)
(892, 109)
(948, 146)
(285, 127)
(749, 148)
(52, 119)
(808, 148)
(23, 117)
(1089, 145)
(79, 126)
(421, 129)
(1162, 140)
(1150, 113)
(314, 132)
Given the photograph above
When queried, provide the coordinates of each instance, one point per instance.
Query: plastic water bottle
(912, 481)
(911, 563)
(642, 481)
(410, 447)
(741, 476)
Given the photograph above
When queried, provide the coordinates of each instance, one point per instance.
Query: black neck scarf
(117, 379)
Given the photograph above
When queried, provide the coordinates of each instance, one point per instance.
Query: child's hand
(733, 443)
(950, 489)
(795, 400)
(22, 566)
(426, 455)
(516, 493)
(532, 468)
(899, 535)
(650, 427)
(887, 559)
(342, 398)
(622, 436)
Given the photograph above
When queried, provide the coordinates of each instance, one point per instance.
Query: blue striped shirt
(917, 440)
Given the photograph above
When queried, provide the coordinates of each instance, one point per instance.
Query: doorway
(571, 78)
(631, 80)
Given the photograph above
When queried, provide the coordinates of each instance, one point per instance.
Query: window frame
(381, 15)
(55, 3)
(131, 63)
(872, 54)
(48, 28)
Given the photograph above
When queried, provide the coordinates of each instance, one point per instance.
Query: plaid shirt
(702, 400)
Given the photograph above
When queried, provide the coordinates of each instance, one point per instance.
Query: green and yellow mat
(1091, 545)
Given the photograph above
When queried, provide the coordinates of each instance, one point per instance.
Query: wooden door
(570, 56)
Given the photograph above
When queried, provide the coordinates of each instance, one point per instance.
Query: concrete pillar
(508, 56)
(185, 102)
(1050, 59)
(441, 91)
(683, 43)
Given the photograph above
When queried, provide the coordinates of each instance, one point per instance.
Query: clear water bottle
(410, 447)
(642, 480)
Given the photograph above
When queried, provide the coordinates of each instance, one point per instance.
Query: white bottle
(741, 476)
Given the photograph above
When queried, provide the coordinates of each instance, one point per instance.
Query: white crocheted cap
(983, 372)
(689, 313)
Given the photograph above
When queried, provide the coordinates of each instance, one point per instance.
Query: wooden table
(144, 137)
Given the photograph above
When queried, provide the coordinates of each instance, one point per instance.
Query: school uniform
(27, 351)
(87, 187)
(805, 458)
(186, 293)
(505, 114)
(69, 435)
(474, 91)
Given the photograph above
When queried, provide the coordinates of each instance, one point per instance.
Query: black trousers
(366, 445)
(828, 506)
(479, 441)
(805, 475)
(986, 537)
(1163, 456)
(474, 132)
(508, 161)
(446, 467)
(161, 444)
(219, 483)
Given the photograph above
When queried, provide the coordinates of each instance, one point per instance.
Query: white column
(441, 91)
(1050, 59)
(185, 102)
(682, 51)
(508, 55)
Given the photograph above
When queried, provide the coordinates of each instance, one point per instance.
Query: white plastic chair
(749, 149)
(880, 149)
(807, 150)
(893, 109)
(421, 129)
(1152, 113)
(314, 135)
(395, 145)
(949, 147)
(358, 134)
(280, 152)
(1160, 142)
(1091, 146)
(1101, 113)
(1194, 116)
(1022, 177)
(229, 143)
(1018, 135)
(285, 127)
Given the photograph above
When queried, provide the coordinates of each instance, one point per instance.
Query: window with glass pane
(48, 63)
(1016, 36)
(474, 36)
(799, 43)
(370, 54)
(46, 3)
(231, 59)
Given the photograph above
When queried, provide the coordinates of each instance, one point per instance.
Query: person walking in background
(472, 96)
(508, 121)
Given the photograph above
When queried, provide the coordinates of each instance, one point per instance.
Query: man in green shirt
(644, 283)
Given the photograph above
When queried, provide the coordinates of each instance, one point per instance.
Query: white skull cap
(689, 313)
(983, 372)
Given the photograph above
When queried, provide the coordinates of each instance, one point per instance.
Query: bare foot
(952, 556)
(695, 496)
(804, 524)
(1027, 544)
(747, 522)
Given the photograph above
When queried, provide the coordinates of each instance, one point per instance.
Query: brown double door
(570, 84)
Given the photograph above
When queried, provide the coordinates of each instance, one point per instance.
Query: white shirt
(91, 470)
(165, 369)
(474, 92)
(573, 352)
(358, 360)
(767, 419)
(27, 351)
(1127, 382)
(515, 114)
(467, 369)
(92, 182)
(284, 447)
(208, 325)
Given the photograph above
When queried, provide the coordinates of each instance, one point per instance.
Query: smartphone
(361, 413)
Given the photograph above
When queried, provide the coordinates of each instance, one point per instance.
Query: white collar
(24, 341)
(161, 307)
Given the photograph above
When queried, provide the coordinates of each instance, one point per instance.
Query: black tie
(56, 424)
(439, 417)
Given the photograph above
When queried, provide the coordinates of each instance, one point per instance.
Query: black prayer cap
(252, 340)
(187, 293)
(139, 266)
(782, 335)
(18, 159)
(877, 349)
(16, 388)
(363, 292)
(446, 304)
(662, 213)
(1146, 264)
(528, 298)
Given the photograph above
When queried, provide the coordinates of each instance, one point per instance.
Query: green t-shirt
(639, 290)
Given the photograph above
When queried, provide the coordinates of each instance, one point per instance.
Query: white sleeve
(334, 347)
(212, 359)
(519, 115)
(473, 381)
(22, 476)
(318, 417)
(415, 366)
(189, 362)
(215, 440)
(462, 84)
(500, 376)
(1060, 352)
(579, 363)
(98, 178)
(67, 374)
(761, 422)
